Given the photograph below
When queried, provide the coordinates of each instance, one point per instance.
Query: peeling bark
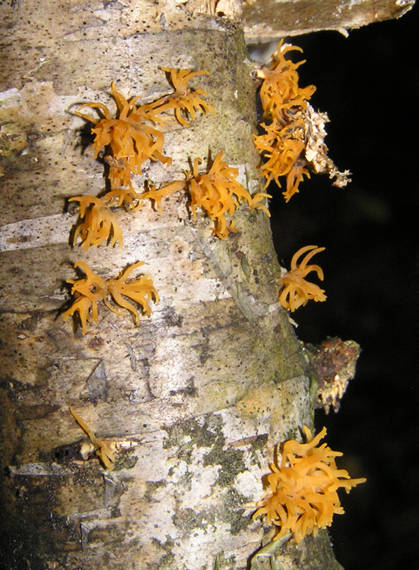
(198, 395)
(269, 19)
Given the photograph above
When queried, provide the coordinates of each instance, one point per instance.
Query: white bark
(197, 397)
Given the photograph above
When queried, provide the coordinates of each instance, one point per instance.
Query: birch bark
(198, 395)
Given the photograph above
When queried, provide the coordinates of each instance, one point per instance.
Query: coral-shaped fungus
(127, 141)
(98, 223)
(296, 290)
(113, 293)
(280, 92)
(283, 102)
(218, 193)
(184, 101)
(293, 133)
(130, 138)
(139, 290)
(88, 293)
(302, 491)
(104, 449)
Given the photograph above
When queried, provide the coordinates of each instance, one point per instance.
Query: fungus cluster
(125, 142)
(302, 490)
(297, 291)
(284, 139)
(282, 146)
(91, 290)
(218, 193)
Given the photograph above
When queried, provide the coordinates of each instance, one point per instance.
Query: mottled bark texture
(197, 396)
(269, 19)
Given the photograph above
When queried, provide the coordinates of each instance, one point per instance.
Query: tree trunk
(196, 397)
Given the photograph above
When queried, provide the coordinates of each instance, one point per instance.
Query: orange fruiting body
(302, 491)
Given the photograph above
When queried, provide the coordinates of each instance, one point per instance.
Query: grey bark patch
(231, 461)
(188, 519)
(97, 383)
(233, 501)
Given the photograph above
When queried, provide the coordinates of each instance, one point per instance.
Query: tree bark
(270, 19)
(198, 395)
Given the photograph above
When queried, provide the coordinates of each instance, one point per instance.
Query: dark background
(368, 85)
